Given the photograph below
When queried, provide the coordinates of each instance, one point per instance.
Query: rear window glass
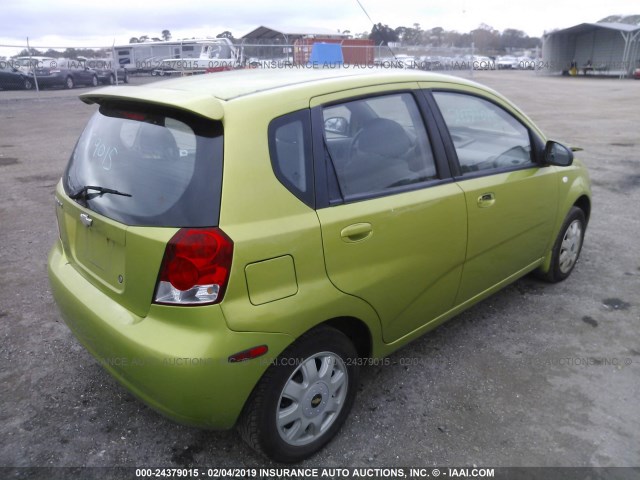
(169, 163)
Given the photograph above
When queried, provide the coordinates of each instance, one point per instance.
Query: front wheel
(94, 81)
(69, 83)
(304, 398)
(27, 84)
(567, 247)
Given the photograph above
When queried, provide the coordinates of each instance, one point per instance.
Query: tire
(112, 80)
(567, 247)
(94, 81)
(28, 84)
(69, 83)
(312, 385)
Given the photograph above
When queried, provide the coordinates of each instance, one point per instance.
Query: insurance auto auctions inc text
(333, 473)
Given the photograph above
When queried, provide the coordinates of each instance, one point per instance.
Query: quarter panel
(266, 221)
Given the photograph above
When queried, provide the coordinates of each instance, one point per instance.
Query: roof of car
(196, 92)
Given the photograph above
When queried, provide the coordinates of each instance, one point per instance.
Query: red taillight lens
(181, 273)
(195, 267)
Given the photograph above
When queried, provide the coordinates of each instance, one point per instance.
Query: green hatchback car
(233, 247)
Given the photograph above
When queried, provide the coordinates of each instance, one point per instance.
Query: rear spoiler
(201, 103)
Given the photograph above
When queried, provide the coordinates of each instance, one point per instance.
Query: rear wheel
(69, 83)
(112, 80)
(28, 85)
(567, 247)
(302, 401)
(94, 81)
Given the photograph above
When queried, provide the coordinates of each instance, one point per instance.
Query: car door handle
(486, 200)
(356, 232)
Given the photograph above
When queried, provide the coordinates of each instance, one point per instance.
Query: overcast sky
(98, 23)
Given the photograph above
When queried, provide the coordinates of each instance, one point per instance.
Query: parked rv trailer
(153, 56)
(214, 57)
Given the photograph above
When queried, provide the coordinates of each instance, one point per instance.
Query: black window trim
(307, 197)
(537, 144)
(324, 169)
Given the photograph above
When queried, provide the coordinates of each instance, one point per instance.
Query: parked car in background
(108, 76)
(480, 62)
(28, 64)
(234, 247)
(11, 78)
(405, 61)
(507, 62)
(65, 73)
(104, 70)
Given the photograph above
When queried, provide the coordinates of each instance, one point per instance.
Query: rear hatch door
(137, 174)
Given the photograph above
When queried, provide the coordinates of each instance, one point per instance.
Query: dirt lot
(538, 375)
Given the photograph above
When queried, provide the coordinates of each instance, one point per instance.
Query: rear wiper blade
(82, 193)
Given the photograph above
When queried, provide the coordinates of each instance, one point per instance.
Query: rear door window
(383, 147)
(169, 163)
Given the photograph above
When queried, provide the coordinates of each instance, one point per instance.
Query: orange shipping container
(354, 51)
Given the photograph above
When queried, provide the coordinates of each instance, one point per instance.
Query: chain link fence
(42, 67)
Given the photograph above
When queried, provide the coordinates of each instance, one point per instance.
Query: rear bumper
(175, 359)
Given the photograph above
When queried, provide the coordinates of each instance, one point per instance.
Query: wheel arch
(584, 204)
(577, 193)
(356, 331)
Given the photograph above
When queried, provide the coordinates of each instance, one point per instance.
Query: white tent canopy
(609, 48)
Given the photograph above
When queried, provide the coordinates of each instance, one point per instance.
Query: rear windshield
(165, 167)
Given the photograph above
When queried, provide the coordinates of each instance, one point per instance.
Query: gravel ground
(537, 375)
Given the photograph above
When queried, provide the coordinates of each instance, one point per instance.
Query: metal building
(611, 49)
(264, 42)
(264, 34)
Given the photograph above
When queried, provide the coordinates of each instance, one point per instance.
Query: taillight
(195, 267)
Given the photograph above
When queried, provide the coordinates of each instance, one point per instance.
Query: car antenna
(374, 24)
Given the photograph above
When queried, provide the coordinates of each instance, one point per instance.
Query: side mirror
(336, 125)
(557, 154)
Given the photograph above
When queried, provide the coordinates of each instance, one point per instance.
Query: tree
(52, 53)
(436, 36)
(166, 35)
(414, 36)
(383, 34)
(134, 40)
(533, 42)
(226, 34)
(512, 38)
(31, 51)
(486, 38)
(400, 33)
(143, 38)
